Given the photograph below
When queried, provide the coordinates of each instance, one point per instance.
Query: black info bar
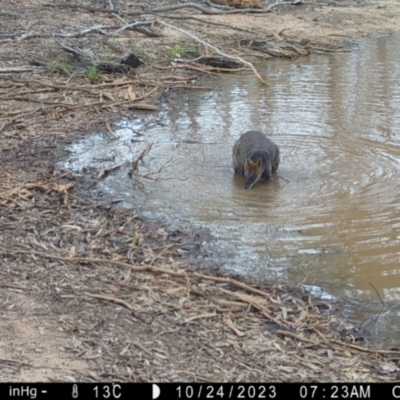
(199, 391)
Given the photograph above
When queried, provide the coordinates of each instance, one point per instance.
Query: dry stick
(97, 29)
(144, 268)
(147, 176)
(118, 82)
(207, 315)
(142, 348)
(231, 325)
(207, 69)
(134, 25)
(110, 298)
(209, 11)
(230, 281)
(204, 10)
(78, 52)
(112, 133)
(165, 248)
(52, 104)
(140, 157)
(105, 171)
(184, 17)
(371, 320)
(263, 310)
(19, 69)
(187, 66)
(298, 337)
(363, 349)
(249, 64)
(180, 6)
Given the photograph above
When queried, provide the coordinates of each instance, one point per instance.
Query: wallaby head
(252, 171)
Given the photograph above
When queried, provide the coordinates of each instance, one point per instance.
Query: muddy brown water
(332, 222)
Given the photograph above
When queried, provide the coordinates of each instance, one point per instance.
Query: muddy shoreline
(94, 293)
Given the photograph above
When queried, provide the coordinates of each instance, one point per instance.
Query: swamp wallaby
(255, 156)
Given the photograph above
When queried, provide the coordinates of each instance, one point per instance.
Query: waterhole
(331, 220)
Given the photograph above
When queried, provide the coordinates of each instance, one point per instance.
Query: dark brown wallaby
(255, 156)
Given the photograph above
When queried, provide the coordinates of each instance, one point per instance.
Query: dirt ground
(90, 292)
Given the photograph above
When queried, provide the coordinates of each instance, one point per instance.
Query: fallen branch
(210, 11)
(119, 82)
(204, 21)
(135, 26)
(208, 70)
(143, 268)
(203, 10)
(19, 69)
(249, 64)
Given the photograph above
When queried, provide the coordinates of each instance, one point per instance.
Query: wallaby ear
(248, 162)
(259, 163)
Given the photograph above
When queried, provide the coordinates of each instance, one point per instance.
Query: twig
(159, 170)
(364, 349)
(110, 298)
(105, 171)
(298, 337)
(372, 321)
(112, 133)
(207, 315)
(281, 177)
(137, 26)
(249, 64)
(140, 157)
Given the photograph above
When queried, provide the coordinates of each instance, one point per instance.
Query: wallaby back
(255, 156)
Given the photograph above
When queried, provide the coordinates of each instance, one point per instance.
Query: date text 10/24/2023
(281, 391)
